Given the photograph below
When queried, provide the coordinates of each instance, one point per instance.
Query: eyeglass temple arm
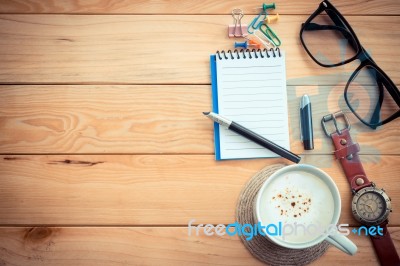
(340, 26)
(346, 33)
(338, 22)
(314, 26)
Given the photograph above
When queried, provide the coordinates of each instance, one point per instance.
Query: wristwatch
(370, 205)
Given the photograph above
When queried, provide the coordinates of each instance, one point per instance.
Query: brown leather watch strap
(385, 249)
(347, 153)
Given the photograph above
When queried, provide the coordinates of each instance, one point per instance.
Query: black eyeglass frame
(361, 54)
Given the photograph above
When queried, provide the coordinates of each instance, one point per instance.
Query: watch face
(371, 206)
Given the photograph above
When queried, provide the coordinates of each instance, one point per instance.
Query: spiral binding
(247, 53)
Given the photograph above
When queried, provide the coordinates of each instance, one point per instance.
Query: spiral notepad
(249, 87)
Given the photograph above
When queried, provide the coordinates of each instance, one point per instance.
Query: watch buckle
(333, 117)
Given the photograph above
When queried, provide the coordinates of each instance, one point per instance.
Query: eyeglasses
(330, 41)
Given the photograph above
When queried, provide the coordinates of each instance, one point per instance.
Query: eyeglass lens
(329, 42)
(367, 95)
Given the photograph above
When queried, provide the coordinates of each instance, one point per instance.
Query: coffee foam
(297, 198)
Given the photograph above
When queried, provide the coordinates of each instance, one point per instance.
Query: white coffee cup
(306, 200)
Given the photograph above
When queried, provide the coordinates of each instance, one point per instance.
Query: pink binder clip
(237, 30)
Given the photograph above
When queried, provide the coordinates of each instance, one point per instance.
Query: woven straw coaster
(262, 248)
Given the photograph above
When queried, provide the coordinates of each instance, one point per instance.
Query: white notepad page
(252, 92)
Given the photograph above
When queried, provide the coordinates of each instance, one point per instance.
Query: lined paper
(252, 92)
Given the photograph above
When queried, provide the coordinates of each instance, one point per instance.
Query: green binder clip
(270, 34)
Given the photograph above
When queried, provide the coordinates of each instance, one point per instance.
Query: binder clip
(237, 30)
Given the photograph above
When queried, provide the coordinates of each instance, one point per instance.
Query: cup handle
(342, 243)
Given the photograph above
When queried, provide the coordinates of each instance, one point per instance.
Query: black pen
(260, 140)
(306, 127)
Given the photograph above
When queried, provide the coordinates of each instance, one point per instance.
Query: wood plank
(150, 119)
(105, 119)
(151, 190)
(167, 49)
(359, 7)
(147, 246)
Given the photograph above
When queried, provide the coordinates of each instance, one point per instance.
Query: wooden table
(105, 155)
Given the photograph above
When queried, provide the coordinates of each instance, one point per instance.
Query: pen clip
(301, 128)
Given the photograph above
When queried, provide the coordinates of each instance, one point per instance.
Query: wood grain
(164, 49)
(359, 7)
(146, 246)
(102, 137)
(151, 190)
(150, 119)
